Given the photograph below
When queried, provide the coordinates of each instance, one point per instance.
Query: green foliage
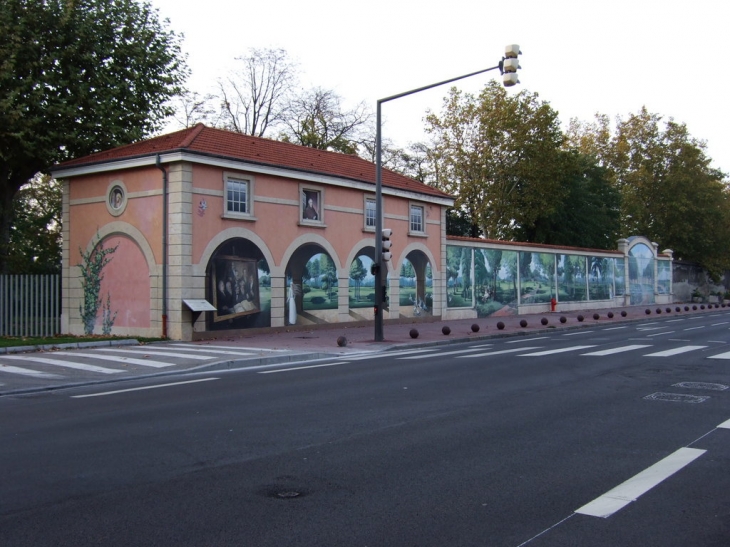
(78, 77)
(668, 190)
(499, 155)
(92, 266)
(35, 237)
(357, 274)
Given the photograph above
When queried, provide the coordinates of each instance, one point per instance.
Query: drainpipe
(158, 163)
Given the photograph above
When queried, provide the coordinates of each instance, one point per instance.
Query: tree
(190, 108)
(78, 77)
(589, 213)
(254, 97)
(668, 190)
(35, 237)
(499, 155)
(357, 274)
(316, 119)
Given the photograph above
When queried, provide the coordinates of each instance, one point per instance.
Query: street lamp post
(508, 68)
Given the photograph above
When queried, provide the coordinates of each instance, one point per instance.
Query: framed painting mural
(235, 287)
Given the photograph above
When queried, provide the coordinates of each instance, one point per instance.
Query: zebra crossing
(57, 365)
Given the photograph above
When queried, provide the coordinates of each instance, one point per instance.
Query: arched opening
(416, 285)
(238, 284)
(312, 286)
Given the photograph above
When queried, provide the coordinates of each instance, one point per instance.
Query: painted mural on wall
(319, 284)
(641, 274)
(239, 286)
(571, 278)
(361, 291)
(537, 277)
(415, 300)
(600, 278)
(495, 275)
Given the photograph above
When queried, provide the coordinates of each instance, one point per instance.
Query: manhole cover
(676, 398)
(701, 385)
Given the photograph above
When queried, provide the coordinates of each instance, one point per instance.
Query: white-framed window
(417, 221)
(311, 205)
(238, 196)
(369, 213)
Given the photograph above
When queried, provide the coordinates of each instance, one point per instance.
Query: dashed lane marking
(161, 353)
(27, 372)
(123, 360)
(552, 351)
(440, 354)
(203, 349)
(66, 364)
(499, 352)
(616, 350)
(675, 351)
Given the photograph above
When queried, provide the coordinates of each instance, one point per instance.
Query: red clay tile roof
(229, 145)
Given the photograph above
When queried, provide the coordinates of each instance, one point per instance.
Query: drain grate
(701, 385)
(676, 397)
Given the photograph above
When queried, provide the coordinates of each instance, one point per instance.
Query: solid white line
(660, 333)
(675, 351)
(27, 372)
(59, 363)
(500, 352)
(552, 351)
(141, 388)
(442, 354)
(606, 505)
(526, 340)
(301, 368)
(162, 353)
(617, 350)
(124, 360)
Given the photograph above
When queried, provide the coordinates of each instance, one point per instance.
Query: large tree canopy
(76, 77)
(499, 155)
(669, 191)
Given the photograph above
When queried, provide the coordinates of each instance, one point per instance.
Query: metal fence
(30, 305)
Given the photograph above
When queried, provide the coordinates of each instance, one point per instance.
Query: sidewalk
(397, 335)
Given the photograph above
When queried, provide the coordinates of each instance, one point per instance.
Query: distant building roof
(218, 143)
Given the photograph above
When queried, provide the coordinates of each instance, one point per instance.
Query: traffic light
(387, 232)
(510, 64)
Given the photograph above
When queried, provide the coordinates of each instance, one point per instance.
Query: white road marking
(301, 368)
(725, 425)
(162, 353)
(500, 352)
(675, 351)
(660, 333)
(408, 352)
(725, 355)
(101, 394)
(675, 320)
(617, 328)
(67, 364)
(27, 372)
(718, 324)
(617, 350)
(606, 505)
(649, 328)
(482, 346)
(123, 360)
(203, 350)
(203, 346)
(694, 328)
(552, 351)
(440, 354)
(526, 340)
(579, 332)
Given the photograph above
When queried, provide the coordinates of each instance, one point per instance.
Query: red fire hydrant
(553, 303)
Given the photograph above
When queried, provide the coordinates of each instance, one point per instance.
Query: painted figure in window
(116, 198)
(310, 211)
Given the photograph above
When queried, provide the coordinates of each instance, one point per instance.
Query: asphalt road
(607, 436)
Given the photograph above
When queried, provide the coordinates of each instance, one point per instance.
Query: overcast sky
(583, 57)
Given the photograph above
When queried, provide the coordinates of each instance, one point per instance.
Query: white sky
(581, 56)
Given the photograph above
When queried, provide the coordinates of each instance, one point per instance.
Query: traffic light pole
(381, 267)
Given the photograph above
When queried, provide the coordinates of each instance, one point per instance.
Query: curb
(70, 345)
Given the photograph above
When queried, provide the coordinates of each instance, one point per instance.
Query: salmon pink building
(217, 231)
